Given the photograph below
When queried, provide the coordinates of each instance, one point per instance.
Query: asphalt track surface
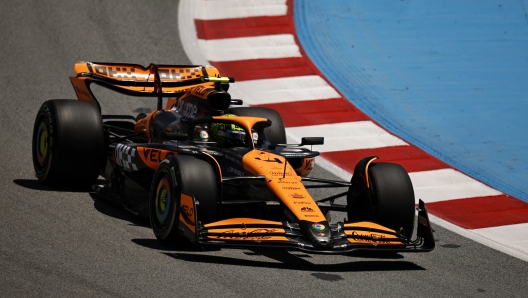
(63, 243)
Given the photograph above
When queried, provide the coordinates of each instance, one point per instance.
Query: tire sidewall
(42, 171)
(168, 232)
(392, 197)
(76, 149)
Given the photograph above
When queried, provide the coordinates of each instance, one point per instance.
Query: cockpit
(226, 131)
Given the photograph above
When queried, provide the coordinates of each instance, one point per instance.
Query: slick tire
(174, 175)
(392, 197)
(276, 133)
(68, 143)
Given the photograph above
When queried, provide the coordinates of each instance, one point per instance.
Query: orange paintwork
(258, 238)
(142, 125)
(245, 122)
(202, 91)
(139, 73)
(89, 71)
(170, 102)
(375, 237)
(242, 221)
(368, 224)
(217, 165)
(152, 157)
(366, 171)
(243, 232)
(187, 206)
(306, 167)
(80, 85)
(284, 182)
(248, 234)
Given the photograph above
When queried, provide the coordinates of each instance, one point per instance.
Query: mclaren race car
(213, 174)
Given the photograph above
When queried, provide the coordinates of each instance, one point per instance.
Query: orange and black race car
(214, 174)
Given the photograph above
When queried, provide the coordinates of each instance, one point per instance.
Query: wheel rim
(42, 143)
(163, 201)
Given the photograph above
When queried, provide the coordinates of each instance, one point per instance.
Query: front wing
(347, 237)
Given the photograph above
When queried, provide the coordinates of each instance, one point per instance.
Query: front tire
(68, 143)
(177, 174)
(388, 201)
(393, 195)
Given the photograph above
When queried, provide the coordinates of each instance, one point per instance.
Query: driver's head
(228, 133)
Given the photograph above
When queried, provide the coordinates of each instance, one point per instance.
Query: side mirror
(312, 141)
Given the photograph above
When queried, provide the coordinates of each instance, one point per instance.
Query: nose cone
(318, 233)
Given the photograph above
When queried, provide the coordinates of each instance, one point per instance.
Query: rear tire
(68, 143)
(393, 197)
(276, 133)
(178, 174)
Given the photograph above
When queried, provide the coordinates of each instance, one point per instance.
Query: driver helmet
(227, 132)
(201, 133)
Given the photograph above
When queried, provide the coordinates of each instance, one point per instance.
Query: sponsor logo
(188, 211)
(290, 188)
(80, 91)
(273, 173)
(306, 209)
(178, 74)
(123, 155)
(118, 72)
(202, 91)
(204, 112)
(187, 109)
(155, 155)
(303, 203)
(309, 215)
(213, 152)
(204, 134)
(375, 238)
(309, 164)
(296, 196)
(237, 172)
(231, 158)
(250, 235)
(318, 227)
(287, 182)
(422, 221)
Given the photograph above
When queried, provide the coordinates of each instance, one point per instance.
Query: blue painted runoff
(450, 77)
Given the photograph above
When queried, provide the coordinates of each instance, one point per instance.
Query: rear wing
(136, 80)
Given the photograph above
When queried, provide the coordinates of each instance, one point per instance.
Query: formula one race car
(214, 174)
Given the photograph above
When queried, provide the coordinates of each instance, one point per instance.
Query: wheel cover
(163, 201)
(42, 143)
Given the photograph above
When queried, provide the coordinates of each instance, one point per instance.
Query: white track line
(514, 236)
(474, 235)
(447, 184)
(346, 136)
(229, 9)
(246, 48)
(187, 11)
(283, 90)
